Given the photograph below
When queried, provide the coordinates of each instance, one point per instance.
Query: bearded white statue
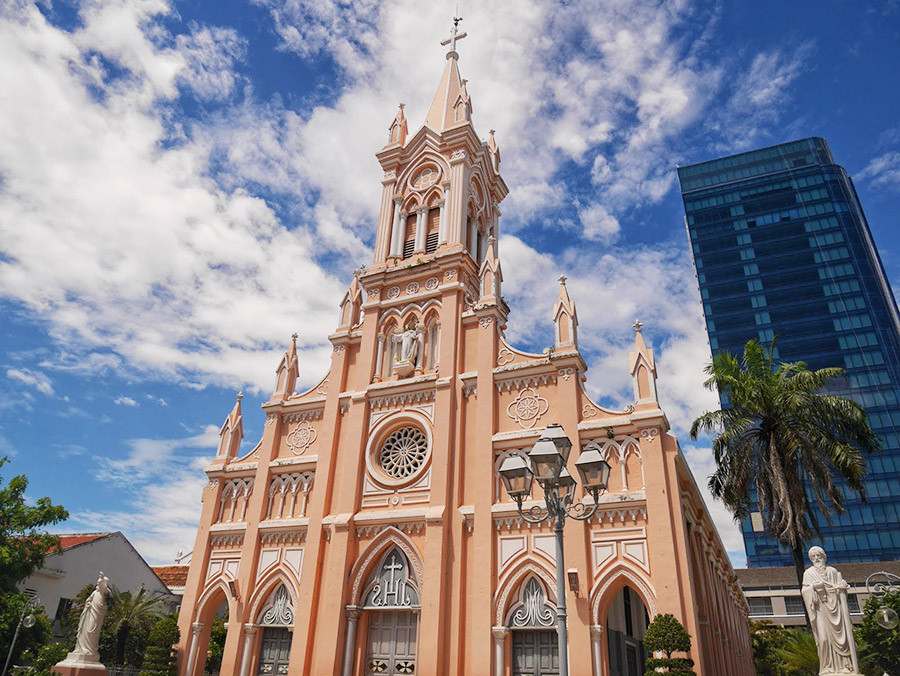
(824, 592)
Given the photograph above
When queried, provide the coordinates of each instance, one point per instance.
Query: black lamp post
(547, 460)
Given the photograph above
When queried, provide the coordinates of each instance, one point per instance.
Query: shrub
(159, 657)
(667, 635)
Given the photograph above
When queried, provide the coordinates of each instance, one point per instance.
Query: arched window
(409, 242)
(433, 336)
(391, 585)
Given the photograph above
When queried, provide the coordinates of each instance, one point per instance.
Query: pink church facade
(368, 532)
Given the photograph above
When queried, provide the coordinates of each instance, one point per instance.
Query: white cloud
(39, 381)
(598, 224)
(125, 401)
(882, 171)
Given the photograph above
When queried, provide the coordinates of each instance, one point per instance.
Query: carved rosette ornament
(431, 283)
(412, 287)
(301, 437)
(393, 292)
(527, 408)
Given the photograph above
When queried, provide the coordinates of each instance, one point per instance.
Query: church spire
(565, 318)
(643, 369)
(451, 103)
(232, 432)
(287, 372)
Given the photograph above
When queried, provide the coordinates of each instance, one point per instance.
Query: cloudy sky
(185, 184)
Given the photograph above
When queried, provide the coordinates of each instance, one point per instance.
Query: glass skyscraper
(781, 247)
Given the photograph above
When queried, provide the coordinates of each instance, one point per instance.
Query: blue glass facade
(781, 247)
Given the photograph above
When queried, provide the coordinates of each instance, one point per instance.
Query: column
(499, 634)
(442, 221)
(473, 239)
(353, 613)
(396, 243)
(379, 358)
(421, 228)
(196, 628)
(249, 635)
(597, 648)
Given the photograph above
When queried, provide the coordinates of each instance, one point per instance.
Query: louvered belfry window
(409, 244)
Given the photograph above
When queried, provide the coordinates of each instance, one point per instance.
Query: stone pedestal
(79, 664)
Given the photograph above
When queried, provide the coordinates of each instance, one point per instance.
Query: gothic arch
(526, 569)
(218, 584)
(609, 585)
(268, 584)
(540, 612)
(373, 552)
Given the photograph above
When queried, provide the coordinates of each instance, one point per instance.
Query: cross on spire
(454, 36)
(638, 324)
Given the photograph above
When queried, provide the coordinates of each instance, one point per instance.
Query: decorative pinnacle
(637, 325)
(240, 395)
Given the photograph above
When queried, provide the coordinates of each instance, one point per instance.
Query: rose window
(404, 452)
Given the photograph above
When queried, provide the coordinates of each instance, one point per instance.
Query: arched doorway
(391, 604)
(532, 625)
(276, 619)
(626, 623)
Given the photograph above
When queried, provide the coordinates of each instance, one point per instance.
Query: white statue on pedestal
(407, 350)
(87, 640)
(824, 592)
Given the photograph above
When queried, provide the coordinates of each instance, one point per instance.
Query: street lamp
(547, 460)
(879, 585)
(31, 602)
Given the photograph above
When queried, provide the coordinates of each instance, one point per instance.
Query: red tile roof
(173, 577)
(74, 539)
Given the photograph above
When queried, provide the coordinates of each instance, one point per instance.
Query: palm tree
(129, 613)
(784, 438)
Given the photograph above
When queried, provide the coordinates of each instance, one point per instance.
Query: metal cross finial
(562, 279)
(637, 325)
(240, 395)
(454, 36)
(294, 336)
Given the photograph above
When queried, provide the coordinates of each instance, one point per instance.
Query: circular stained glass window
(404, 452)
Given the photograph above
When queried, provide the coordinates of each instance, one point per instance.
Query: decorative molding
(505, 356)
(322, 388)
(432, 283)
(458, 154)
(485, 322)
(279, 612)
(212, 483)
(282, 537)
(470, 388)
(338, 349)
(621, 514)
(525, 381)
(227, 540)
(404, 398)
(390, 175)
(534, 610)
(270, 418)
(588, 411)
(377, 548)
(412, 287)
(527, 408)
(393, 292)
(649, 433)
(646, 592)
(566, 372)
(301, 437)
(314, 414)
(408, 527)
(449, 274)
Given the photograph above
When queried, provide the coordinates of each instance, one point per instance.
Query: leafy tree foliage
(23, 542)
(216, 646)
(159, 658)
(30, 639)
(878, 648)
(667, 635)
(784, 438)
(42, 661)
(778, 651)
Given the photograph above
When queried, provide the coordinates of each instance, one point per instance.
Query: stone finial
(638, 325)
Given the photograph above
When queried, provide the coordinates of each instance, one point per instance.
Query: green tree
(878, 648)
(783, 438)
(216, 646)
(30, 639)
(45, 658)
(129, 619)
(23, 541)
(765, 640)
(798, 653)
(159, 658)
(666, 634)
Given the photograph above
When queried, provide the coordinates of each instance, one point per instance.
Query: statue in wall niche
(87, 639)
(824, 592)
(407, 351)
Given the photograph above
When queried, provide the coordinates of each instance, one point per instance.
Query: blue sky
(185, 184)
